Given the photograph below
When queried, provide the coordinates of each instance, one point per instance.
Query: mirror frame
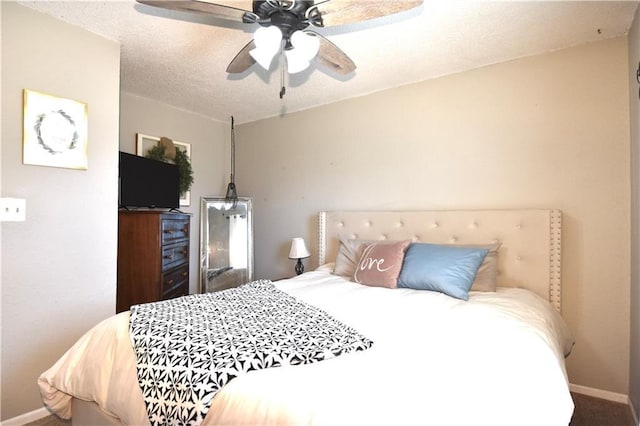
(205, 202)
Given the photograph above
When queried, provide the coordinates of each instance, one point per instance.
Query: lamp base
(299, 267)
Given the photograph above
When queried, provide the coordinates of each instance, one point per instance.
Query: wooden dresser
(153, 257)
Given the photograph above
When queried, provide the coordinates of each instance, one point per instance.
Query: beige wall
(549, 131)
(59, 266)
(634, 107)
(54, 288)
(209, 142)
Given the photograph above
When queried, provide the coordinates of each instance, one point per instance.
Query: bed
(496, 358)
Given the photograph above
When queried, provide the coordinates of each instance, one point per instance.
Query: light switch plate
(13, 209)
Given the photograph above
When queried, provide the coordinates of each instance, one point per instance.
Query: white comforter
(495, 359)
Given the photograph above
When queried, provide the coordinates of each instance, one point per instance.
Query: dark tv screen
(147, 183)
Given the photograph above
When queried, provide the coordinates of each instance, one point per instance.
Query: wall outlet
(13, 209)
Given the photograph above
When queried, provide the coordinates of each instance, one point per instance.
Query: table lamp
(298, 251)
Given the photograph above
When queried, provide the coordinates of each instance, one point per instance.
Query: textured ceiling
(183, 62)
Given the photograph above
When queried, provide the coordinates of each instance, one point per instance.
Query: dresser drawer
(176, 283)
(174, 230)
(153, 256)
(175, 255)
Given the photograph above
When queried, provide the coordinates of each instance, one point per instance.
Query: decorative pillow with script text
(380, 264)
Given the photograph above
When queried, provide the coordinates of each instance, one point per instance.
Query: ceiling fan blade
(332, 57)
(218, 10)
(340, 12)
(242, 60)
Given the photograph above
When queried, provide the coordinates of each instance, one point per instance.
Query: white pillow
(348, 256)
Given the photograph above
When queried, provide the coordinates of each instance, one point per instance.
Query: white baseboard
(599, 393)
(27, 418)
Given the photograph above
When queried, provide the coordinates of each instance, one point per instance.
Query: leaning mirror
(226, 243)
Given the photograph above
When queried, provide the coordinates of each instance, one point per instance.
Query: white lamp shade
(298, 249)
(305, 48)
(268, 41)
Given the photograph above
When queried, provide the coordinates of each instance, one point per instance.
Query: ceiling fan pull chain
(283, 90)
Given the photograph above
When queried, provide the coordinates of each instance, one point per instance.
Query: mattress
(497, 358)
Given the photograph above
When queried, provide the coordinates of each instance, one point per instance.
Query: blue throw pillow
(447, 269)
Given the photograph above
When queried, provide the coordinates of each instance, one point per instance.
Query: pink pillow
(380, 264)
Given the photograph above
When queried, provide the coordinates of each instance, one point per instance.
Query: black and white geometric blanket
(188, 348)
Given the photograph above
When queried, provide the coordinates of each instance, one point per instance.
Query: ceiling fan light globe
(305, 44)
(268, 41)
(268, 37)
(295, 62)
(262, 57)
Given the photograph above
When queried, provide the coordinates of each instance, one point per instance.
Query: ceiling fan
(284, 28)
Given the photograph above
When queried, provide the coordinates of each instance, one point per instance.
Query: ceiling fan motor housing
(288, 16)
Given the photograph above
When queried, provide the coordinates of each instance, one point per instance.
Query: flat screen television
(146, 183)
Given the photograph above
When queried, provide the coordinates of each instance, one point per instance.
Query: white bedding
(495, 359)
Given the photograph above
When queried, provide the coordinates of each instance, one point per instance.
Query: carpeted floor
(589, 412)
(49, 421)
(592, 411)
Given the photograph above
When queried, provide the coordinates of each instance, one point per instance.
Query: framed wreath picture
(55, 131)
(153, 147)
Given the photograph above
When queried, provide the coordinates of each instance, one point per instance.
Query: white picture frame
(54, 131)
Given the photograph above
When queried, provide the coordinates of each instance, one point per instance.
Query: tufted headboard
(529, 256)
